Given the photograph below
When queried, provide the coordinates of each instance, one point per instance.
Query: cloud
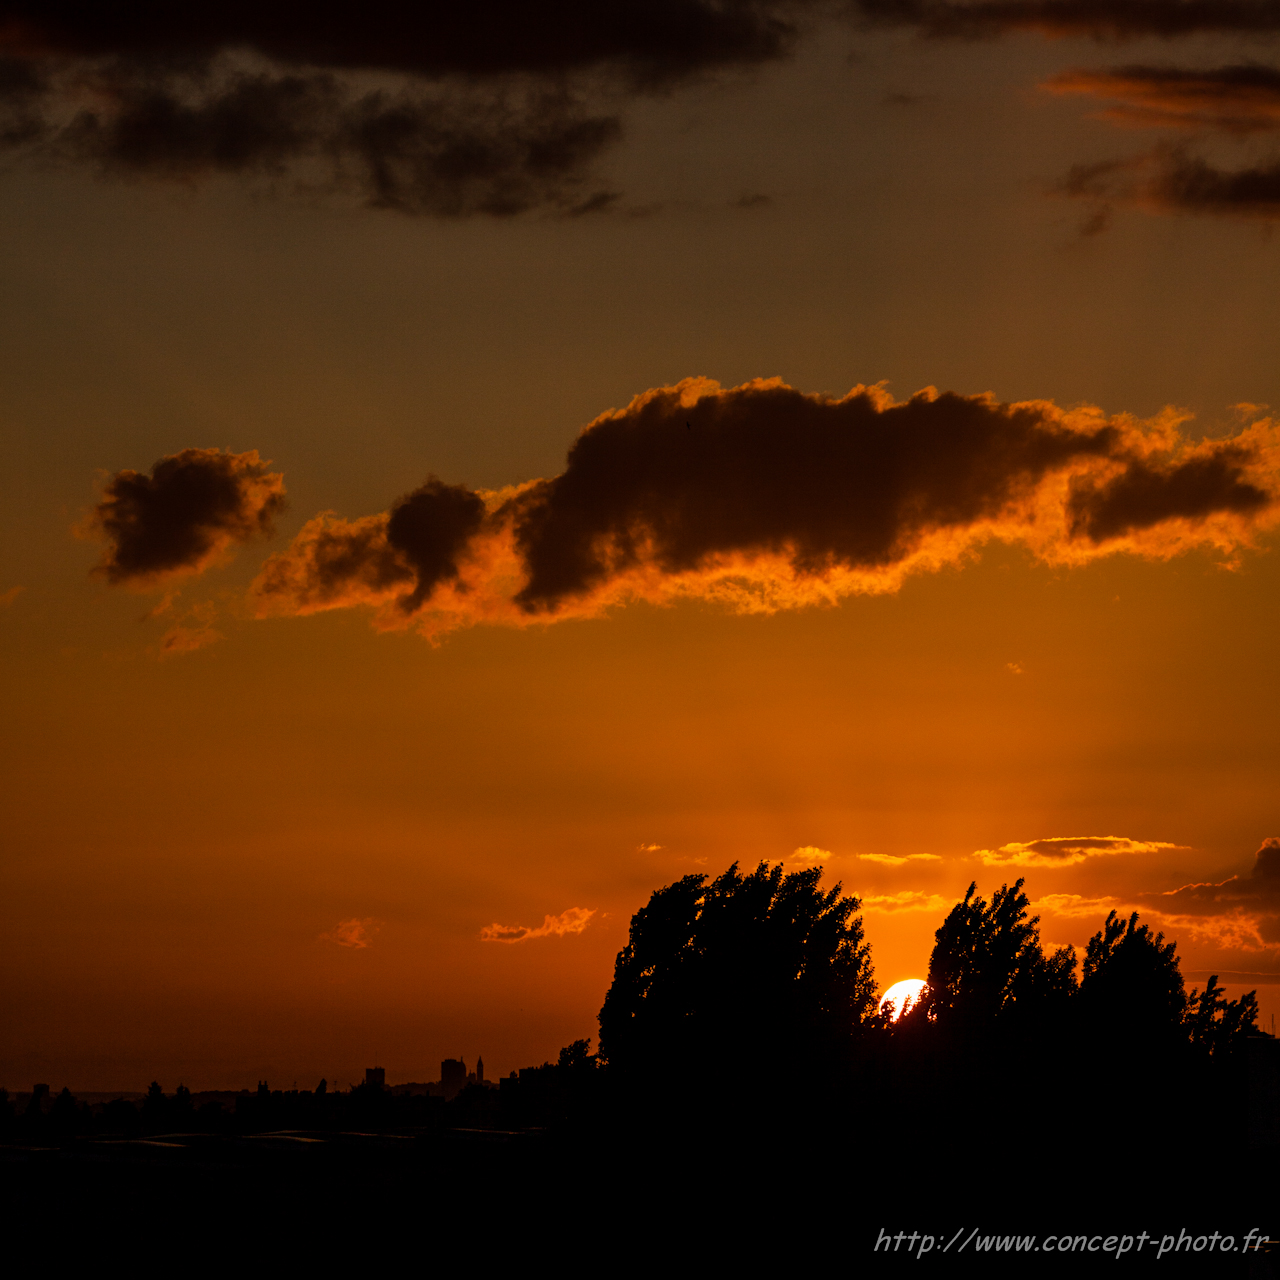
(811, 854)
(8, 597)
(1076, 906)
(1168, 180)
(644, 41)
(1245, 977)
(572, 921)
(893, 860)
(1241, 911)
(193, 631)
(907, 900)
(482, 108)
(761, 497)
(186, 514)
(648, 848)
(450, 151)
(1065, 851)
(1102, 19)
(1238, 99)
(1144, 494)
(355, 933)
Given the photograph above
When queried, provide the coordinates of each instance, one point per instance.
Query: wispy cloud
(8, 597)
(356, 934)
(907, 900)
(1238, 100)
(811, 855)
(1065, 851)
(194, 630)
(896, 860)
(1076, 906)
(574, 920)
(1244, 98)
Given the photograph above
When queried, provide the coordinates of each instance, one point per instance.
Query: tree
(154, 1107)
(1218, 1026)
(988, 967)
(1132, 990)
(762, 972)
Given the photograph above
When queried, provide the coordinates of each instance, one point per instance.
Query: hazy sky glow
(448, 499)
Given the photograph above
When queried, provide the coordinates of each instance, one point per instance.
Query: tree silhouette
(762, 970)
(154, 1108)
(988, 968)
(1132, 991)
(1218, 1026)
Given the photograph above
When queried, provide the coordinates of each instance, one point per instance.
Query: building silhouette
(453, 1077)
(376, 1076)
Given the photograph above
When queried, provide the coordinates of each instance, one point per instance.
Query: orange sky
(274, 849)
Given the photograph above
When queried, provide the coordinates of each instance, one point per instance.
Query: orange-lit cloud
(1239, 99)
(186, 514)
(1076, 905)
(572, 921)
(1244, 98)
(1239, 913)
(895, 860)
(194, 630)
(648, 848)
(8, 597)
(907, 900)
(355, 933)
(1065, 851)
(811, 855)
(761, 497)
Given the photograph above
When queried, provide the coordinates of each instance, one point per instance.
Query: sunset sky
(465, 474)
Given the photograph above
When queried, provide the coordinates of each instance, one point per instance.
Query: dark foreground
(643, 1196)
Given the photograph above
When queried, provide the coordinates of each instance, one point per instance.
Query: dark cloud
(1192, 185)
(431, 528)
(762, 497)
(1146, 494)
(1102, 19)
(448, 150)
(766, 469)
(1171, 181)
(191, 508)
(1239, 99)
(650, 40)
(1240, 911)
(1244, 98)
(452, 110)
(403, 555)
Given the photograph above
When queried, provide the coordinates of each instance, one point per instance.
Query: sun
(902, 995)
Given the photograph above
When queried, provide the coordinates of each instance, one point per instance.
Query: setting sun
(902, 995)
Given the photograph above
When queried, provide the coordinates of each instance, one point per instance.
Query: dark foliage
(988, 969)
(746, 974)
